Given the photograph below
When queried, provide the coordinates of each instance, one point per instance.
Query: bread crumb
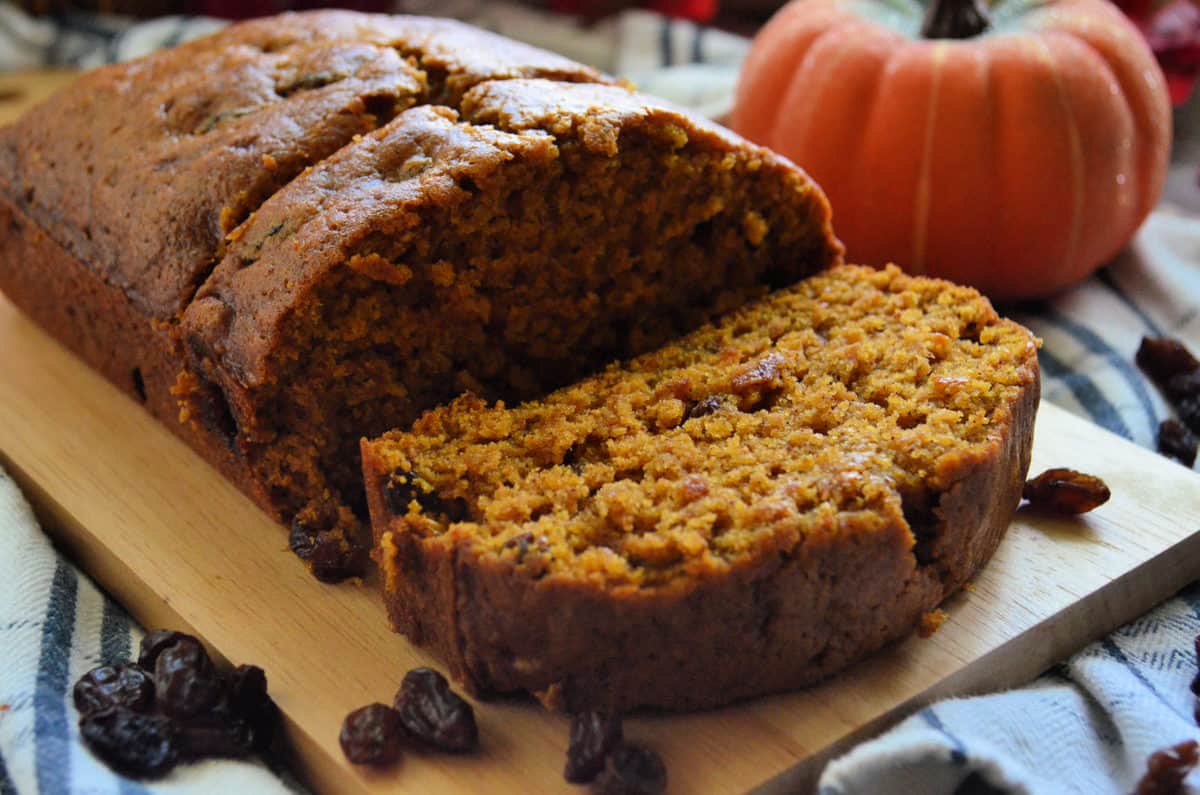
(931, 622)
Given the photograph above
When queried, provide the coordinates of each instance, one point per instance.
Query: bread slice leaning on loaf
(310, 228)
(746, 510)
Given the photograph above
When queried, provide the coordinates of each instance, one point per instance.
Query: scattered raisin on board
(1166, 769)
(1176, 372)
(143, 718)
(594, 735)
(120, 685)
(1176, 441)
(372, 735)
(426, 712)
(434, 714)
(322, 537)
(132, 743)
(1066, 491)
(633, 770)
(185, 681)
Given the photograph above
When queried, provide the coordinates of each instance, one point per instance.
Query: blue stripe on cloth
(1114, 651)
(958, 752)
(698, 44)
(7, 787)
(665, 45)
(52, 738)
(1093, 343)
(114, 634)
(1086, 392)
(1106, 278)
(115, 647)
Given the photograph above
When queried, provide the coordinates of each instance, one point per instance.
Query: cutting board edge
(97, 561)
(1033, 658)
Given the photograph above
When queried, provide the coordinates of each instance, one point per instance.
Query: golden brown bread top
(140, 169)
(383, 184)
(378, 185)
(595, 114)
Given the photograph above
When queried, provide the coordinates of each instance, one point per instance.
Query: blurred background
(689, 51)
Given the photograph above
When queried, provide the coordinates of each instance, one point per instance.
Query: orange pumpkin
(1015, 149)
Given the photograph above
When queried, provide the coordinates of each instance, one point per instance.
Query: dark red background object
(696, 10)
(244, 9)
(1173, 32)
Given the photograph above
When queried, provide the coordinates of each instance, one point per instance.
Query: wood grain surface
(182, 548)
(20, 91)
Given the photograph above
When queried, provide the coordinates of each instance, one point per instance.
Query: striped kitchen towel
(55, 625)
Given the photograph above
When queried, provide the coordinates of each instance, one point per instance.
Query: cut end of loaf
(853, 395)
(500, 258)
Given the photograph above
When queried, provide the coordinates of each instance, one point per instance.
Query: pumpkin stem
(955, 19)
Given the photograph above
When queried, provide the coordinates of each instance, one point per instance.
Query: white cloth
(54, 627)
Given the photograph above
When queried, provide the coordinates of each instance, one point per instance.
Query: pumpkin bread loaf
(310, 228)
(746, 510)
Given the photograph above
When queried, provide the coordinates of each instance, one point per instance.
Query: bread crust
(782, 619)
(98, 323)
(126, 195)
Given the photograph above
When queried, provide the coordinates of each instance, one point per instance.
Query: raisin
(633, 770)
(1189, 410)
(398, 492)
(520, 542)
(703, 408)
(247, 700)
(303, 540)
(1173, 368)
(401, 490)
(976, 784)
(1161, 358)
(1166, 769)
(120, 685)
(371, 735)
(215, 739)
(335, 559)
(594, 735)
(1066, 491)
(132, 743)
(1176, 441)
(434, 714)
(324, 539)
(185, 682)
(155, 643)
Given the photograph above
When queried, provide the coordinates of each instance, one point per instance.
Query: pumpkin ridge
(827, 70)
(1074, 145)
(808, 62)
(921, 208)
(1110, 40)
(1020, 180)
(1133, 174)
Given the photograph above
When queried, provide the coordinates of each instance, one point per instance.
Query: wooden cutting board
(181, 548)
